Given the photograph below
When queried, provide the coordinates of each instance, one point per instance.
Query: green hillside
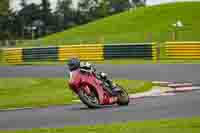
(145, 24)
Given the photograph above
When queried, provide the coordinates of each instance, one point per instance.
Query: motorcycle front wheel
(123, 97)
(92, 101)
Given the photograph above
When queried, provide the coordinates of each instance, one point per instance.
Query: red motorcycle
(93, 91)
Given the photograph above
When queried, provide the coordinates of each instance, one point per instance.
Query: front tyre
(123, 98)
(91, 101)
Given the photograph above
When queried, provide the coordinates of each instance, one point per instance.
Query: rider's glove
(103, 75)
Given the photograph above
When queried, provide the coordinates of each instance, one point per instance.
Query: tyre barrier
(84, 52)
(12, 55)
(40, 54)
(182, 50)
(90, 52)
(130, 50)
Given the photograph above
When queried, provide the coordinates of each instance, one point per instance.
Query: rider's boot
(113, 87)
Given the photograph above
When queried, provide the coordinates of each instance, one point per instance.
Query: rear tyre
(123, 98)
(92, 101)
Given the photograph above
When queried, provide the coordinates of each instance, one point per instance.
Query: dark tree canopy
(4, 5)
(40, 19)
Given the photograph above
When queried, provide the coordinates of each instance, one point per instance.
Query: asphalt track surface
(162, 72)
(180, 106)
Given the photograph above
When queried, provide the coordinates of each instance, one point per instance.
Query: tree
(46, 14)
(6, 25)
(102, 10)
(4, 9)
(31, 18)
(23, 3)
(4, 6)
(22, 17)
(25, 18)
(93, 9)
(117, 6)
(64, 13)
(84, 9)
(138, 2)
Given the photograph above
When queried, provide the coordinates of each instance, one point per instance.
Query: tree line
(37, 20)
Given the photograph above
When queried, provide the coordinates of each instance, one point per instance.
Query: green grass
(146, 24)
(187, 125)
(41, 92)
(162, 61)
(1, 56)
(114, 62)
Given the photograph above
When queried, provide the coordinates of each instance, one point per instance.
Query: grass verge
(42, 92)
(1, 56)
(113, 61)
(187, 125)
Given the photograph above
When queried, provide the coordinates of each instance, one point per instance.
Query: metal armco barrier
(182, 50)
(90, 52)
(84, 52)
(133, 50)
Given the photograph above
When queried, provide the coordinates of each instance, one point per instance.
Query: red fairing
(75, 80)
(89, 80)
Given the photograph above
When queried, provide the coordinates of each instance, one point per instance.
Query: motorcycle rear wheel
(123, 97)
(90, 101)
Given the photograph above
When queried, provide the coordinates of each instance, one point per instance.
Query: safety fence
(182, 50)
(94, 52)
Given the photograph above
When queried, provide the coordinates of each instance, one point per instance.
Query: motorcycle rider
(86, 67)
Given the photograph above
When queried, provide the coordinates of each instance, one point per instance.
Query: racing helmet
(73, 64)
